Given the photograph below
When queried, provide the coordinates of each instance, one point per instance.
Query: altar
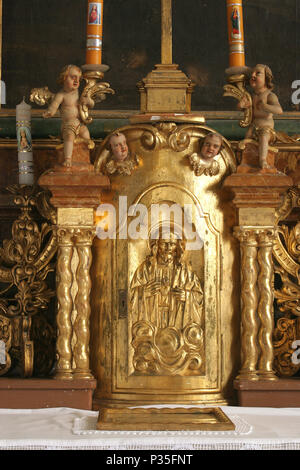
(56, 429)
(152, 255)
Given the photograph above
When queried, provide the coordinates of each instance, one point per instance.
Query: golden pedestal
(166, 90)
(256, 197)
(75, 193)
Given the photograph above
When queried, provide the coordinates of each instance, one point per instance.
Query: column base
(280, 393)
(46, 393)
(85, 375)
(244, 375)
(267, 375)
(63, 375)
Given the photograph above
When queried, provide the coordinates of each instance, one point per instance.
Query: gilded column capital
(255, 235)
(246, 235)
(266, 236)
(64, 235)
(84, 236)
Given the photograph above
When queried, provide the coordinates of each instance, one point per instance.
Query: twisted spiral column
(249, 300)
(65, 303)
(83, 242)
(265, 305)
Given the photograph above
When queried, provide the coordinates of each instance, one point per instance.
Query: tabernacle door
(157, 327)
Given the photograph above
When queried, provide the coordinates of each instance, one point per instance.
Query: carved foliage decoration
(25, 265)
(287, 295)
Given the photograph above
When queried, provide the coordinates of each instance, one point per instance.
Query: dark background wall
(40, 37)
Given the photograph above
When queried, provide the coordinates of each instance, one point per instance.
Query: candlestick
(94, 32)
(25, 157)
(235, 33)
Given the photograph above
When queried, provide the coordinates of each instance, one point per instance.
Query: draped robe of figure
(165, 309)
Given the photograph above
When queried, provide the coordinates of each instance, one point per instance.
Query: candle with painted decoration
(235, 33)
(25, 157)
(94, 32)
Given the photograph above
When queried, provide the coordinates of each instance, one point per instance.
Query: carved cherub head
(70, 77)
(211, 145)
(261, 76)
(118, 146)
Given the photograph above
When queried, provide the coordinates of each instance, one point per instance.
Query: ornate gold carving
(166, 134)
(41, 96)
(249, 298)
(287, 330)
(73, 290)
(167, 313)
(163, 135)
(200, 167)
(122, 168)
(257, 302)
(265, 306)
(83, 241)
(65, 303)
(25, 265)
(236, 89)
(138, 360)
(286, 254)
(93, 90)
(6, 337)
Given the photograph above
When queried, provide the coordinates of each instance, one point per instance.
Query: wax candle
(94, 32)
(235, 33)
(25, 158)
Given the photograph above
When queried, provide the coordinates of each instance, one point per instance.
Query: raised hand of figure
(153, 288)
(179, 293)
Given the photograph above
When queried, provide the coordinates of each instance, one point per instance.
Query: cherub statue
(74, 109)
(206, 163)
(67, 100)
(264, 104)
(120, 161)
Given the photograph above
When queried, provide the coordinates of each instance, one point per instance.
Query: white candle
(25, 157)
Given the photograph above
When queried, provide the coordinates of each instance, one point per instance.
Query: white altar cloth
(73, 429)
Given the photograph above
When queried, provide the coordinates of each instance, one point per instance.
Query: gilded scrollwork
(6, 338)
(287, 329)
(94, 90)
(166, 135)
(236, 88)
(41, 96)
(27, 257)
(286, 253)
